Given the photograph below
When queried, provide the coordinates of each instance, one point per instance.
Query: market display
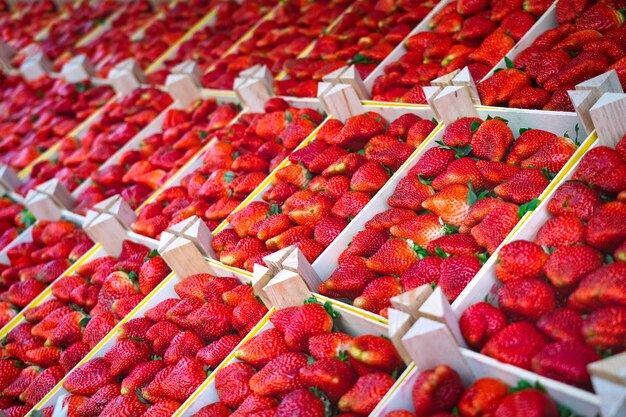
(338, 208)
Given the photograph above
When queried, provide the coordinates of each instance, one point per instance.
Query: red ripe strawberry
(459, 133)
(309, 320)
(611, 278)
(328, 229)
(329, 130)
(279, 376)
(432, 163)
(244, 249)
(308, 153)
(566, 362)
(125, 406)
(520, 259)
(238, 295)
(456, 273)
(246, 217)
(574, 198)
(369, 354)
(526, 299)
(400, 127)
(605, 328)
(140, 376)
(530, 98)
(483, 396)
(495, 227)
(135, 328)
(214, 410)
(494, 173)
(44, 356)
(349, 279)
(480, 322)
(88, 378)
(457, 244)
(337, 186)
(471, 7)
(211, 321)
(527, 144)
(130, 248)
(450, 204)
(357, 131)
(460, 171)
(191, 287)
(162, 408)
(561, 325)
(271, 125)
(502, 8)
(151, 273)
(607, 228)
(296, 132)
(295, 174)
(377, 294)
(516, 344)
(586, 65)
(281, 192)
(41, 385)
(350, 204)
(493, 49)
(9, 372)
(185, 377)
(366, 393)
(232, 383)
(185, 344)
(300, 403)
(69, 329)
(332, 376)
(547, 65)
(125, 355)
(522, 187)
(393, 258)
(311, 249)
(516, 24)
(346, 165)
(262, 348)
(499, 88)
(247, 314)
(271, 226)
(38, 313)
(421, 230)
(390, 218)
(425, 271)
(22, 293)
(214, 353)
(567, 265)
(19, 384)
(552, 156)
(530, 401)
(289, 237)
(369, 178)
(561, 230)
(419, 131)
(436, 390)
(306, 208)
(326, 158)
(600, 17)
(568, 11)
(409, 194)
(491, 140)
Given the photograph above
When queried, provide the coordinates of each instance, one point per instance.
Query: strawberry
(242, 220)
(279, 376)
(88, 378)
(211, 320)
(605, 328)
(328, 229)
(369, 178)
(296, 132)
(213, 410)
(394, 257)
(246, 315)
(259, 350)
(552, 156)
(600, 17)
(38, 313)
(332, 376)
(522, 187)
(238, 295)
(494, 173)
(309, 320)
(184, 378)
(574, 198)
(289, 237)
(118, 285)
(409, 194)
(140, 376)
(493, 48)
(214, 353)
(421, 230)
(526, 299)
(561, 325)
(130, 248)
(605, 230)
(561, 230)
(457, 244)
(390, 218)
(566, 362)
(480, 322)
(69, 329)
(125, 355)
(346, 165)
(244, 249)
(377, 294)
(527, 144)
(492, 140)
(151, 273)
(350, 204)
(45, 356)
(271, 125)
(306, 209)
(570, 11)
(337, 186)
(502, 8)
(329, 130)
(483, 396)
(530, 98)
(369, 354)
(126, 406)
(602, 167)
(433, 162)
(498, 89)
(326, 158)
(586, 65)
(460, 171)
(41, 385)
(158, 312)
(496, 226)
(520, 259)
(436, 390)
(300, 403)
(450, 204)
(419, 131)
(184, 344)
(459, 133)
(516, 344)
(400, 127)
(456, 273)
(255, 404)
(22, 293)
(349, 279)
(471, 7)
(328, 345)
(610, 278)
(232, 383)
(162, 408)
(476, 28)
(357, 130)
(425, 271)
(282, 191)
(531, 401)
(366, 393)
(567, 265)
(537, 7)
(547, 65)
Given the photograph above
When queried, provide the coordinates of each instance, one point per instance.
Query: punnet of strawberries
(14, 219)
(325, 185)
(281, 36)
(440, 392)
(159, 359)
(453, 209)
(241, 157)
(364, 36)
(232, 21)
(475, 34)
(561, 302)
(37, 262)
(19, 30)
(78, 158)
(82, 309)
(36, 115)
(589, 40)
(303, 365)
(138, 172)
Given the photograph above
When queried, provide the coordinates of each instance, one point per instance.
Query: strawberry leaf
(448, 229)
(33, 118)
(509, 63)
(434, 121)
(608, 258)
(202, 134)
(343, 356)
(441, 253)
(530, 206)
(307, 117)
(27, 218)
(424, 180)
(80, 87)
(310, 360)
(361, 59)
(3, 341)
(433, 285)
(521, 386)
(524, 130)
(421, 252)
(330, 310)
(482, 257)
(288, 117)
(140, 397)
(311, 300)
(460, 152)
(547, 174)
(275, 209)
(152, 254)
(474, 126)
(455, 411)
(84, 321)
(472, 198)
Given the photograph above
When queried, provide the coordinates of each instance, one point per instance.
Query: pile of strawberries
(439, 392)
(302, 366)
(14, 219)
(232, 21)
(453, 209)
(33, 265)
(36, 115)
(562, 303)
(160, 359)
(137, 173)
(590, 40)
(327, 184)
(295, 24)
(475, 34)
(243, 155)
(79, 158)
(364, 36)
(58, 333)
(19, 31)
